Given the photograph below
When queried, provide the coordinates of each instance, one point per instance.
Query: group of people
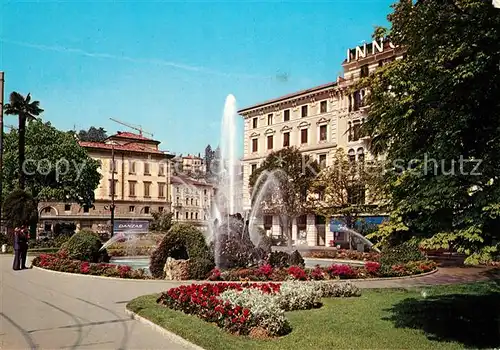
(21, 238)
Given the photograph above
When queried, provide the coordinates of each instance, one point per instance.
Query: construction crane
(134, 127)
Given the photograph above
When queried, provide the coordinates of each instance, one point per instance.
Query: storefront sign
(131, 226)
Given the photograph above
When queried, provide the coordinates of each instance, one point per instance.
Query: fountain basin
(135, 262)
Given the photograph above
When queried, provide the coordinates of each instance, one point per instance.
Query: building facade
(317, 121)
(191, 200)
(140, 173)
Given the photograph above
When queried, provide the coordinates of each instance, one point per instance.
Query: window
(177, 215)
(161, 170)
(191, 216)
(286, 115)
(160, 209)
(146, 169)
(112, 189)
(322, 160)
(351, 155)
(187, 215)
(355, 130)
(255, 144)
(147, 189)
(47, 210)
(303, 136)
(270, 142)
(131, 167)
(361, 155)
(323, 107)
(286, 139)
(304, 111)
(322, 133)
(268, 222)
(196, 216)
(112, 166)
(357, 101)
(187, 201)
(356, 194)
(131, 188)
(67, 207)
(254, 168)
(131, 209)
(192, 201)
(85, 209)
(364, 71)
(146, 210)
(269, 119)
(254, 122)
(205, 191)
(161, 190)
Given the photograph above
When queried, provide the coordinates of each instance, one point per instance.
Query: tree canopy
(56, 167)
(93, 134)
(435, 116)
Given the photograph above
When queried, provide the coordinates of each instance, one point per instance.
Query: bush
(85, 246)
(265, 242)
(337, 290)
(401, 254)
(296, 259)
(299, 296)
(279, 259)
(183, 241)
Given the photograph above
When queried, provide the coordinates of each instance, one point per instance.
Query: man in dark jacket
(20, 248)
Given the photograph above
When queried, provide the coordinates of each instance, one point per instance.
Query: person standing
(21, 237)
(24, 245)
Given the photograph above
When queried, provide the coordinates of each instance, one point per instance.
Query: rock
(176, 270)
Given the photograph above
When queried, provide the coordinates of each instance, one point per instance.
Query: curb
(207, 281)
(166, 333)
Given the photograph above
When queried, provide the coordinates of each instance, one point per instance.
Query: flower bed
(61, 262)
(251, 308)
(370, 269)
(344, 254)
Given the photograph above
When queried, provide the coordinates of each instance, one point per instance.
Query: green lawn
(448, 317)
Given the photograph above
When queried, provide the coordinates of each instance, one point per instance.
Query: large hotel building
(317, 121)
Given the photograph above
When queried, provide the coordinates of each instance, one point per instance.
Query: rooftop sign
(377, 46)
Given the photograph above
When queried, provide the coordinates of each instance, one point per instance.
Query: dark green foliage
(401, 254)
(265, 242)
(19, 209)
(183, 241)
(64, 229)
(162, 221)
(84, 245)
(93, 134)
(279, 259)
(296, 259)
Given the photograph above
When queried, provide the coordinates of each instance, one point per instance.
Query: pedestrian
(21, 237)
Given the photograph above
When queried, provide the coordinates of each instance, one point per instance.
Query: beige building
(317, 121)
(191, 200)
(142, 175)
(188, 165)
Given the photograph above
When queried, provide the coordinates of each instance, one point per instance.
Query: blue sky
(168, 66)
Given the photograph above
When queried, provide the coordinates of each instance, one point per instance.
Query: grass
(448, 317)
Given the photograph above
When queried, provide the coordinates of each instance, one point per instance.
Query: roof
(132, 136)
(286, 97)
(176, 179)
(132, 147)
(191, 157)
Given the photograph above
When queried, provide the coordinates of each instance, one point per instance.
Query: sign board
(335, 223)
(131, 226)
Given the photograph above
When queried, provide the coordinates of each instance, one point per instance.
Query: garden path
(45, 310)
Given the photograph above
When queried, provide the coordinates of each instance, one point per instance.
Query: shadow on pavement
(470, 319)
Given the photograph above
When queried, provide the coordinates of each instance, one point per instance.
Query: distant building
(317, 121)
(142, 175)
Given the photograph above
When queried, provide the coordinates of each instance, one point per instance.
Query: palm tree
(27, 110)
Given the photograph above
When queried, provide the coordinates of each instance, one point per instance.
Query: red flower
(372, 267)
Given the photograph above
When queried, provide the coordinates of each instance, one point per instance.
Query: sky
(169, 65)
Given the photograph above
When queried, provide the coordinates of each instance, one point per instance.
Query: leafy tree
(290, 175)
(209, 156)
(379, 33)
(56, 168)
(93, 134)
(435, 116)
(19, 209)
(27, 111)
(162, 221)
(347, 189)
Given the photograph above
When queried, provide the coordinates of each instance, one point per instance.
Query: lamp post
(112, 208)
(1, 145)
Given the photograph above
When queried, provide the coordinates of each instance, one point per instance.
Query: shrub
(265, 242)
(183, 241)
(372, 267)
(401, 254)
(337, 290)
(85, 246)
(296, 259)
(297, 273)
(299, 296)
(279, 259)
(342, 271)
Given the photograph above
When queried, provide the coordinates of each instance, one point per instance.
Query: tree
(27, 111)
(209, 156)
(20, 209)
(56, 167)
(347, 189)
(93, 134)
(379, 33)
(162, 221)
(435, 116)
(288, 174)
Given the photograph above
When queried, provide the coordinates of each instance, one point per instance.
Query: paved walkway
(44, 310)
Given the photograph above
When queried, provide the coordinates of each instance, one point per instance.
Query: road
(43, 310)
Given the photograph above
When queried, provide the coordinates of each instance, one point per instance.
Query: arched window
(349, 129)
(361, 154)
(352, 155)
